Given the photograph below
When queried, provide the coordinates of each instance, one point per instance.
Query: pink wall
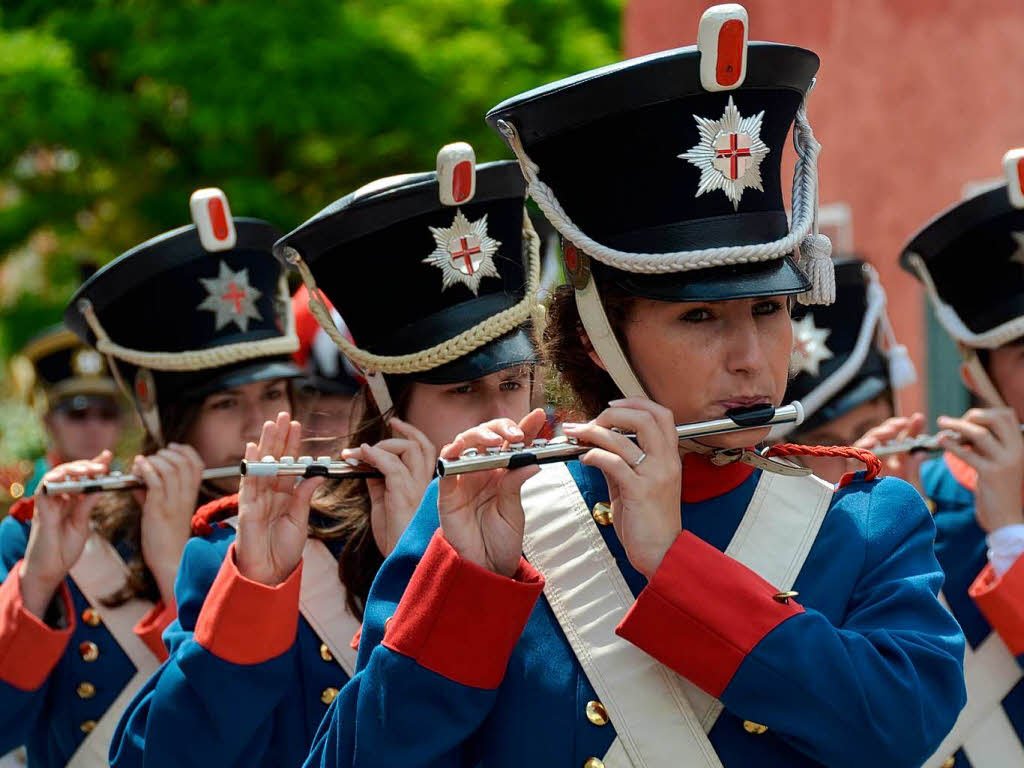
(914, 98)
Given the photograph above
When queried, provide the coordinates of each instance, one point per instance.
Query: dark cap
(407, 271)
(643, 159)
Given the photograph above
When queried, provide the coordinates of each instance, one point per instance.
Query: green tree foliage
(115, 111)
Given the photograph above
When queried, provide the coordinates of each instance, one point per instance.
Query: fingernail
(619, 401)
(570, 425)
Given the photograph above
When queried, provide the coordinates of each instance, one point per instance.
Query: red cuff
(29, 649)
(702, 613)
(152, 626)
(23, 509)
(245, 622)
(460, 620)
(354, 642)
(1002, 603)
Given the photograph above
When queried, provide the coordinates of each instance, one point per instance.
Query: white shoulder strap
(99, 573)
(660, 718)
(982, 728)
(322, 602)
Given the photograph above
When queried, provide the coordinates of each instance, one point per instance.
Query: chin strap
(986, 390)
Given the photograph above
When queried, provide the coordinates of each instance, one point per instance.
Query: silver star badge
(729, 153)
(231, 298)
(809, 350)
(464, 253)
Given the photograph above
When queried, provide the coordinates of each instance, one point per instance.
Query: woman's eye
(697, 315)
(223, 405)
(511, 386)
(274, 394)
(465, 389)
(767, 307)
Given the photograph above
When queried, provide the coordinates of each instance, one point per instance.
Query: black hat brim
(858, 392)
(778, 277)
(245, 373)
(512, 349)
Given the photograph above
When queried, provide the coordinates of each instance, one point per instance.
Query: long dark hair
(340, 509)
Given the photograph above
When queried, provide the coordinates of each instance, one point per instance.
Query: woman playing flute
(646, 605)
(88, 579)
(269, 603)
(970, 259)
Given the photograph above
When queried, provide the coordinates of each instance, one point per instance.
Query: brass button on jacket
(89, 651)
(85, 690)
(602, 513)
(91, 617)
(596, 713)
(325, 652)
(593, 762)
(949, 762)
(755, 728)
(329, 695)
(87, 726)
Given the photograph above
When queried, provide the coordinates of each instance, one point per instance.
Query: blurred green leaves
(115, 111)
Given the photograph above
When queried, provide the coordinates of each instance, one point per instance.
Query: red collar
(961, 471)
(702, 480)
(54, 459)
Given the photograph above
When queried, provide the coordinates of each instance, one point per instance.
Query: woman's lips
(743, 402)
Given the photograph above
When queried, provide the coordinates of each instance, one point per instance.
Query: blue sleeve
(397, 710)
(20, 710)
(199, 708)
(884, 683)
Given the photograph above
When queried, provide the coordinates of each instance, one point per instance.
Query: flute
(288, 466)
(919, 443)
(568, 448)
(119, 481)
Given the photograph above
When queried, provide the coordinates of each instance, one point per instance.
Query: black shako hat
(198, 309)
(662, 173)
(971, 261)
(434, 273)
(845, 354)
(55, 367)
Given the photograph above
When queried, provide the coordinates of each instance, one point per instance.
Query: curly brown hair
(577, 385)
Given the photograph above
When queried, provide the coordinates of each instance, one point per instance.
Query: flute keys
(353, 462)
(269, 460)
(305, 459)
(287, 460)
(516, 446)
(540, 442)
(323, 459)
(470, 453)
(493, 450)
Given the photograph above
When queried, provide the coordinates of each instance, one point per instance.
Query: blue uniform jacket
(864, 668)
(55, 684)
(248, 680)
(979, 601)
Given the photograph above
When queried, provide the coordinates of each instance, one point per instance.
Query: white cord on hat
(954, 326)
(194, 359)
(815, 249)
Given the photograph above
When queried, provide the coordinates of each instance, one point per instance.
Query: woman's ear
(589, 348)
(968, 379)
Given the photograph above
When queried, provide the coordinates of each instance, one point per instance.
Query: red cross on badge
(730, 149)
(465, 247)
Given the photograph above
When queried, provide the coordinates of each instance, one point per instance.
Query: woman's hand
(993, 445)
(407, 463)
(172, 476)
(906, 466)
(644, 478)
(481, 513)
(60, 526)
(273, 512)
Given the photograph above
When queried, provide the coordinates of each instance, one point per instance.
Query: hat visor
(84, 385)
(512, 349)
(857, 393)
(328, 386)
(81, 401)
(246, 373)
(778, 277)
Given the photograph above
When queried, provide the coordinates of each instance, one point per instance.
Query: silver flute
(307, 466)
(919, 443)
(286, 466)
(568, 448)
(119, 481)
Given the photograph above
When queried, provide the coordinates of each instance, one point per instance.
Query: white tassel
(816, 263)
(901, 367)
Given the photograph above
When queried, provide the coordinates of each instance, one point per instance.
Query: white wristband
(1005, 545)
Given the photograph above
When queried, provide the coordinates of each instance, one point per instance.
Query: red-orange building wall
(914, 99)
